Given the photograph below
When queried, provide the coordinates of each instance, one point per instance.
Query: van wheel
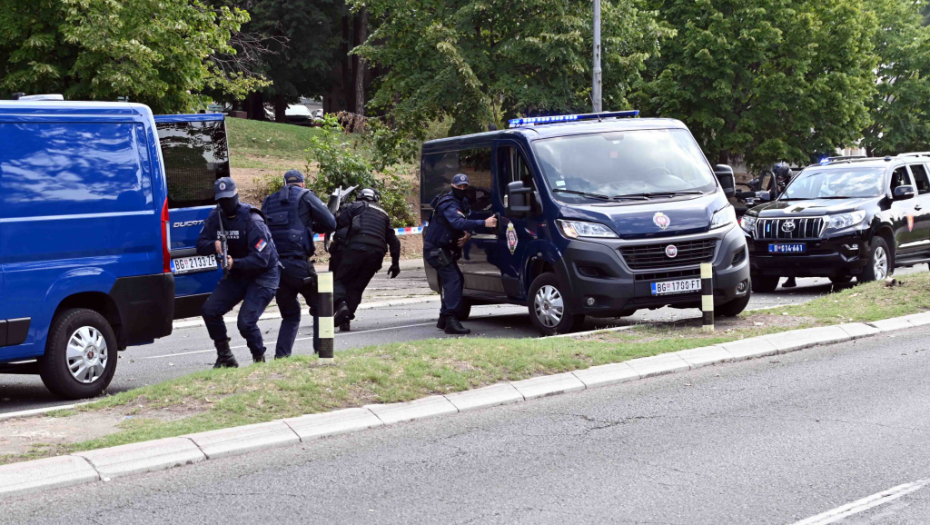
(734, 307)
(764, 284)
(80, 356)
(880, 263)
(548, 309)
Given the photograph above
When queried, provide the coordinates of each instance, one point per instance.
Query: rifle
(336, 200)
(222, 258)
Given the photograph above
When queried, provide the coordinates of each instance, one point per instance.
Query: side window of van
(196, 154)
(920, 177)
(56, 169)
(512, 166)
(439, 168)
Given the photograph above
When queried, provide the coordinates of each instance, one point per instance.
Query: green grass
(214, 399)
(267, 138)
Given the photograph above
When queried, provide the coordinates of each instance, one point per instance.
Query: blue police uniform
(293, 215)
(449, 222)
(252, 280)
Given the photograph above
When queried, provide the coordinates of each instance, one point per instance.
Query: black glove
(394, 270)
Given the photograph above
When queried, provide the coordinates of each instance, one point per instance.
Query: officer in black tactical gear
(448, 231)
(253, 271)
(369, 236)
(294, 213)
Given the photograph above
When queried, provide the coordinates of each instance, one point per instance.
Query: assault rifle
(222, 258)
(336, 200)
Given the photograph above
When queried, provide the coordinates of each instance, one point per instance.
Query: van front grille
(652, 256)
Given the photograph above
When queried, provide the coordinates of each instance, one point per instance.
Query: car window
(900, 177)
(820, 183)
(195, 154)
(920, 178)
(511, 167)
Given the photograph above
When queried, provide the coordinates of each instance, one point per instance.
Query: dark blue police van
(600, 215)
(92, 235)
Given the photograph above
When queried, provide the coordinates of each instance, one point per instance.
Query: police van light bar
(533, 121)
(824, 161)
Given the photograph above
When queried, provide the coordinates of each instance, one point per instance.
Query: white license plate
(193, 264)
(682, 286)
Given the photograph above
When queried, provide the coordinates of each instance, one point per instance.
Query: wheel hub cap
(87, 354)
(881, 264)
(548, 306)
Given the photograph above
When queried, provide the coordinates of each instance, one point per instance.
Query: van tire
(734, 307)
(551, 289)
(764, 284)
(54, 367)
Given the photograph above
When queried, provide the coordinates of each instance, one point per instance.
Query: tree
(481, 62)
(768, 79)
(900, 109)
(158, 52)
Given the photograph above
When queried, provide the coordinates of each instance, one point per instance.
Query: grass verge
(404, 371)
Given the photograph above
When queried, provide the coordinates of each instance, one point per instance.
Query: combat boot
(258, 358)
(342, 314)
(454, 327)
(346, 326)
(224, 356)
(441, 323)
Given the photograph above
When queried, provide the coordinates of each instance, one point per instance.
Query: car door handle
(918, 207)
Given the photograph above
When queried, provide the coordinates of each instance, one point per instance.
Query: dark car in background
(857, 218)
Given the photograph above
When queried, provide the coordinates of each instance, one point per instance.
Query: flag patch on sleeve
(261, 245)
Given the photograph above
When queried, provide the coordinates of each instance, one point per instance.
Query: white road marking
(886, 496)
(37, 411)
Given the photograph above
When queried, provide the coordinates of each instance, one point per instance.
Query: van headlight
(748, 223)
(845, 220)
(723, 217)
(575, 229)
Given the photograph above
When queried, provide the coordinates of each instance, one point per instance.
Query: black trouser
(360, 262)
(228, 293)
(293, 283)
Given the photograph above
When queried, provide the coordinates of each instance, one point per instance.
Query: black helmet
(369, 195)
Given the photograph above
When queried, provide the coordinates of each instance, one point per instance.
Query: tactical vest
(291, 237)
(439, 233)
(370, 226)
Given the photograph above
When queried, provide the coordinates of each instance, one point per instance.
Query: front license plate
(670, 287)
(193, 264)
(787, 248)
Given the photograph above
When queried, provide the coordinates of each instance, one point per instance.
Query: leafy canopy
(768, 79)
(900, 108)
(481, 61)
(153, 51)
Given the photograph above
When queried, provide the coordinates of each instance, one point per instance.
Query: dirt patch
(24, 435)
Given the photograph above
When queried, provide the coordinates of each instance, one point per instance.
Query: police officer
(294, 213)
(336, 249)
(253, 271)
(449, 229)
(369, 236)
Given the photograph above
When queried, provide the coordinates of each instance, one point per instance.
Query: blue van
(86, 249)
(599, 215)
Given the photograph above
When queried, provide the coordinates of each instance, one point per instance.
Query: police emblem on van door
(511, 238)
(661, 220)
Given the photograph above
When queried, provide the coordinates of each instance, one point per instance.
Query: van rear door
(196, 153)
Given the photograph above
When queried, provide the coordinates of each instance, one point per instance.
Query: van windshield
(833, 183)
(623, 165)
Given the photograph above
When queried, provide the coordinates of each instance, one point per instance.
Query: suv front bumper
(840, 256)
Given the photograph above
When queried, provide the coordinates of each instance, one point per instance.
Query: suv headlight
(723, 217)
(575, 229)
(845, 220)
(748, 223)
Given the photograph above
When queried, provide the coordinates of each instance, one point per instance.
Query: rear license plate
(787, 248)
(193, 264)
(670, 287)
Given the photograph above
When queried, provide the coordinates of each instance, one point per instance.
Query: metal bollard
(707, 295)
(323, 327)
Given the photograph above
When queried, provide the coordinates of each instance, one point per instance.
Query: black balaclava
(230, 205)
(458, 193)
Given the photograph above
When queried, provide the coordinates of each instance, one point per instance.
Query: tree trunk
(347, 66)
(280, 107)
(256, 106)
(361, 34)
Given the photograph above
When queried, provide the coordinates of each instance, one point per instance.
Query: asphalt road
(768, 441)
(188, 350)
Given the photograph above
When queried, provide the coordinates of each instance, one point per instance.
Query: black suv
(853, 218)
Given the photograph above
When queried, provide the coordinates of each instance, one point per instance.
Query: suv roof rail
(851, 161)
(37, 97)
(555, 119)
(915, 154)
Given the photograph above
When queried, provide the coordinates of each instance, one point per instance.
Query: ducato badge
(661, 220)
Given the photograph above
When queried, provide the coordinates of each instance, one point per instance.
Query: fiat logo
(788, 226)
(671, 251)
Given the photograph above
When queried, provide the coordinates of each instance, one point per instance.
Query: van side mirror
(726, 178)
(902, 193)
(519, 199)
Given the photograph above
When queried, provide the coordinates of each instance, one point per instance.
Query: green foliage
(768, 79)
(900, 109)
(157, 52)
(340, 165)
(391, 146)
(482, 62)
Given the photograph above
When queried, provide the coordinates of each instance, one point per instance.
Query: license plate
(787, 248)
(193, 264)
(670, 287)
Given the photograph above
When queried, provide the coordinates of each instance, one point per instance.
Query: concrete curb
(103, 464)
